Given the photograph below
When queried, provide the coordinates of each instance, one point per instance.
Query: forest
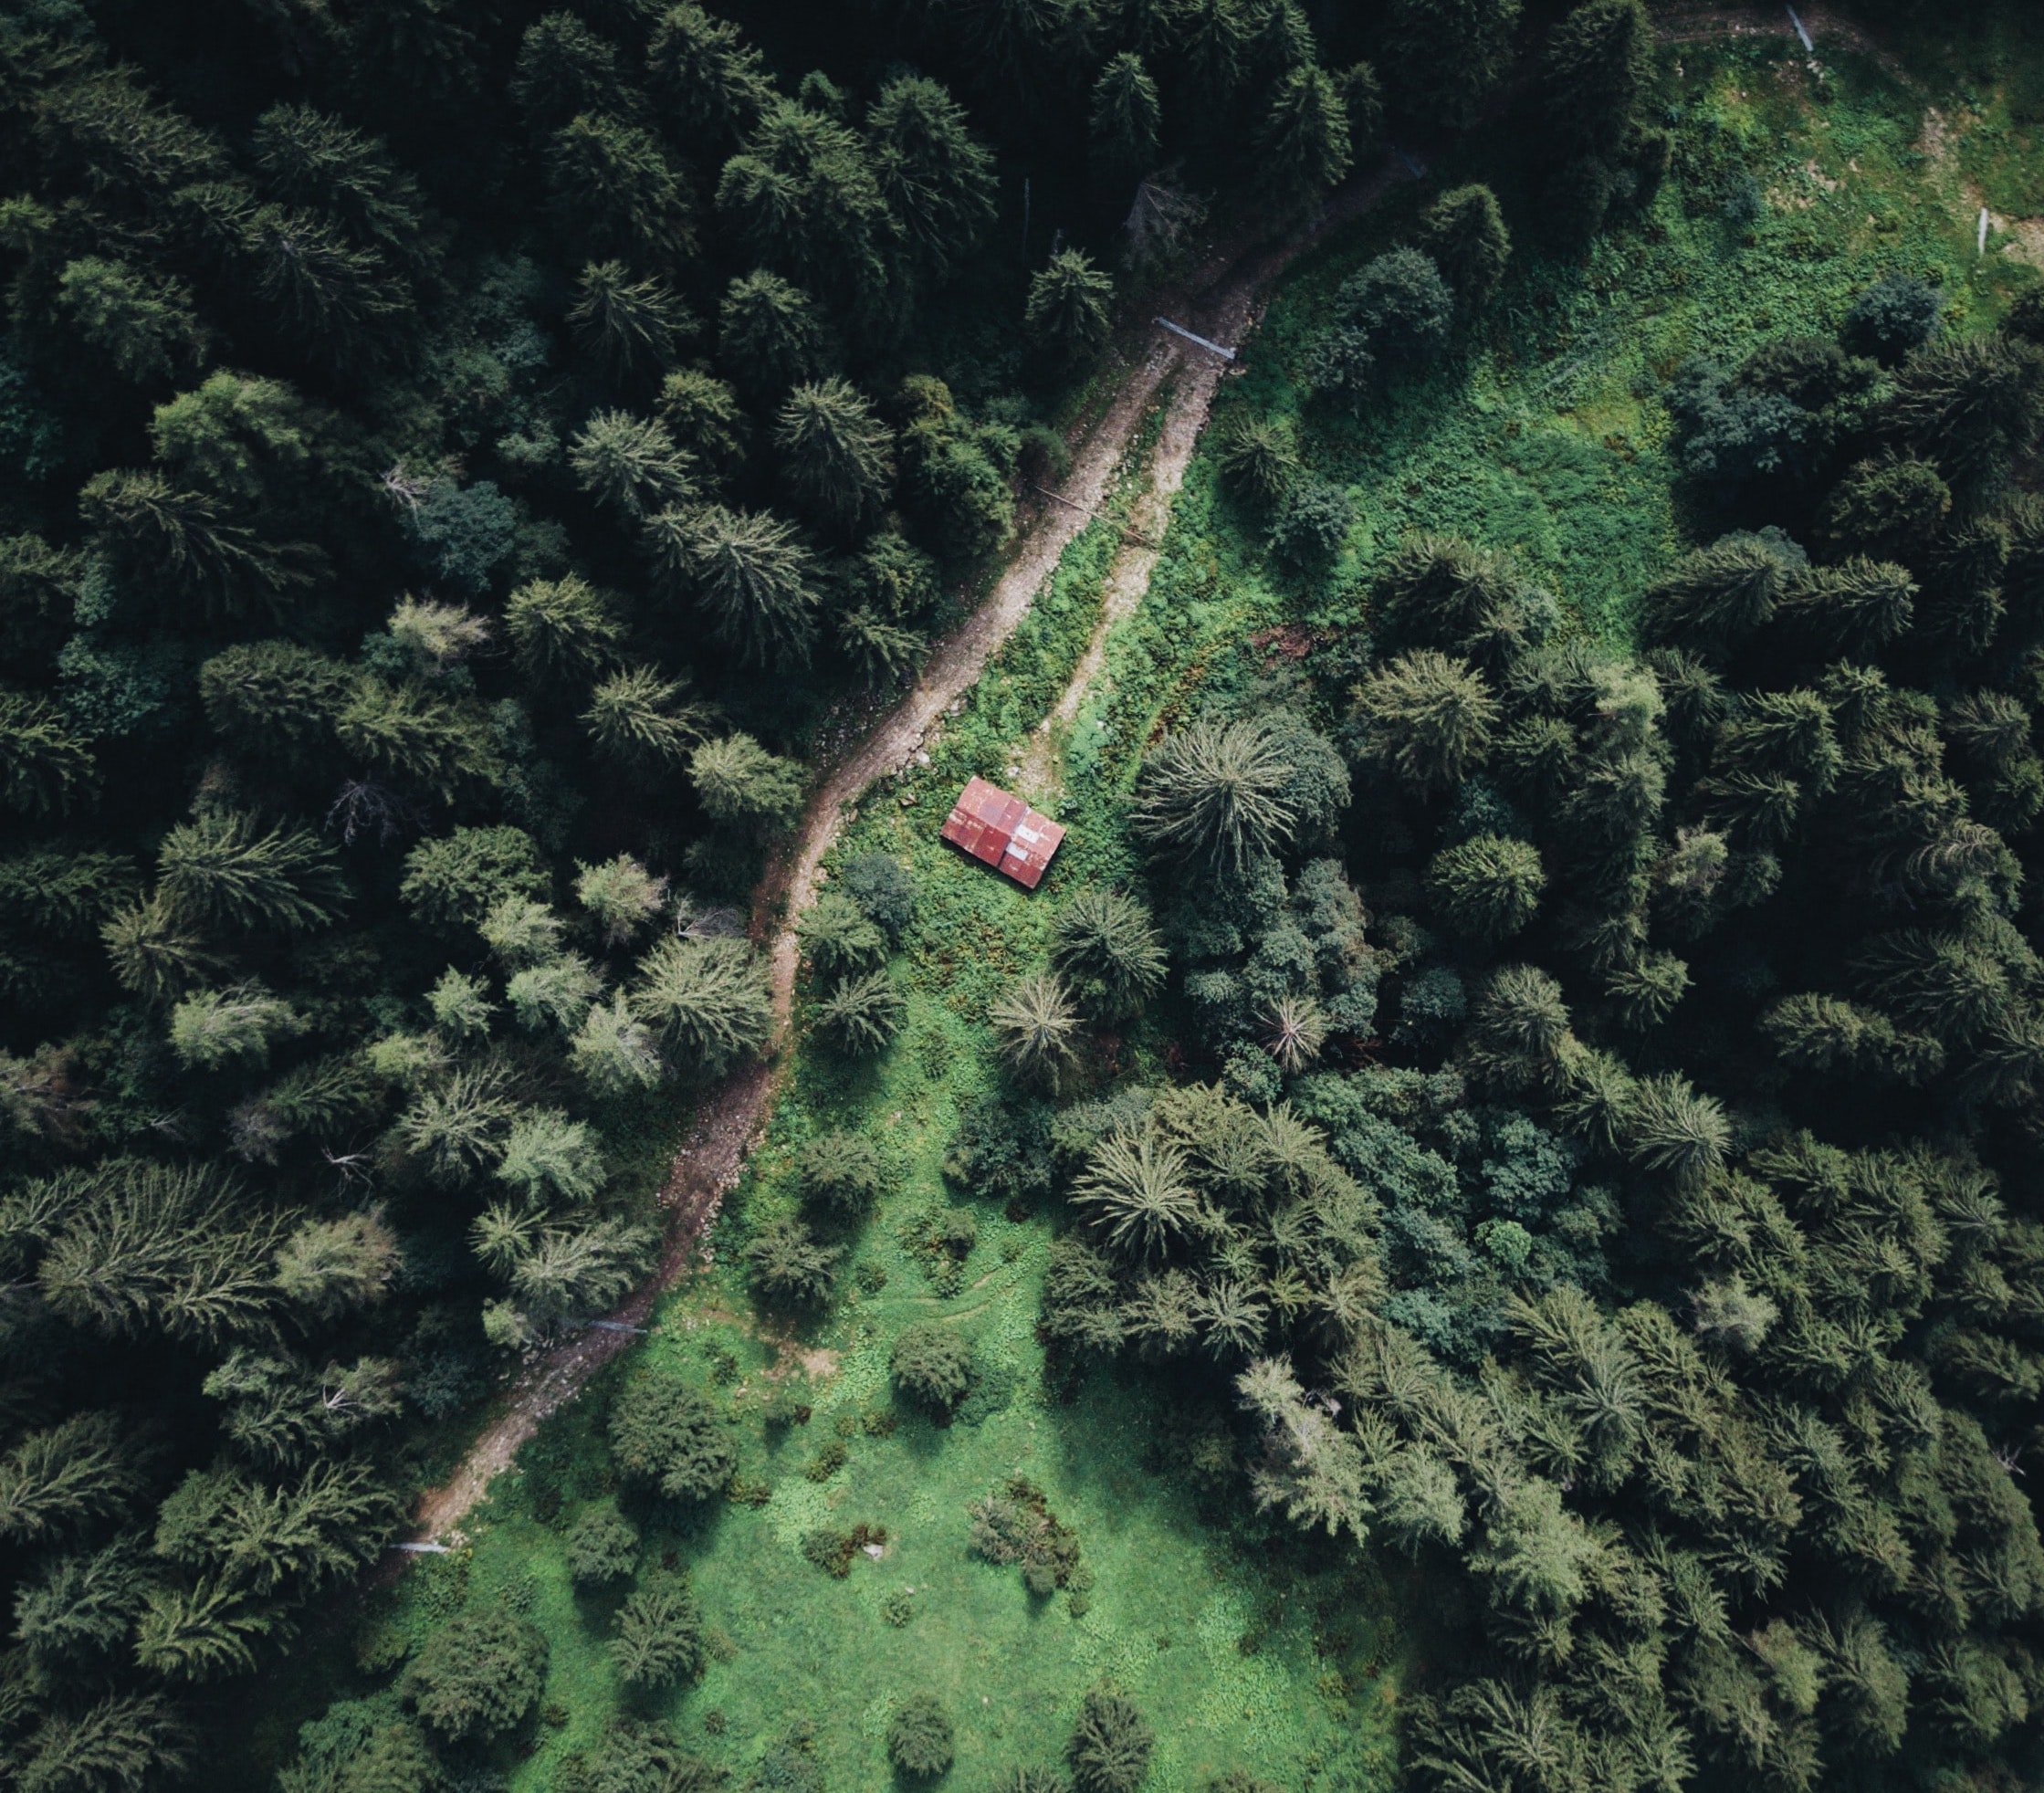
(1481, 1233)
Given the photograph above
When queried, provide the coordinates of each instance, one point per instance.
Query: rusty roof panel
(1000, 830)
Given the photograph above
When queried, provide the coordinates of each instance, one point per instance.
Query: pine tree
(709, 998)
(178, 540)
(1971, 406)
(1488, 886)
(934, 177)
(479, 1674)
(881, 651)
(921, 1743)
(843, 1172)
(613, 1051)
(75, 1611)
(121, 1741)
(554, 994)
(1718, 595)
(862, 1014)
(802, 192)
(751, 573)
(631, 464)
(219, 869)
(659, 1636)
(707, 421)
(275, 702)
(1593, 74)
(931, 1363)
(1126, 122)
(318, 288)
(631, 327)
(834, 454)
(328, 1268)
(1463, 232)
(1111, 1744)
(68, 1475)
(1070, 313)
(768, 332)
(614, 192)
(457, 1124)
(144, 327)
(1218, 794)
(1892, 508)
(562, 628)
(408, 735)
(1856, 608)
(623, 897)
(1363, 94)
(1259, 457)
(839, 940)
(1428, 717)
(1303, 140)
(1108, 948)
(47, 765)
(1033, 1025)
(790, 1266)
(213, 1029)
(706, 77)
(565, 68)
(738, 782)
(314, 161)
(641, 719)
(1446, 55)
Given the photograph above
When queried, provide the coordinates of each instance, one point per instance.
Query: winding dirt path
(1222, 300)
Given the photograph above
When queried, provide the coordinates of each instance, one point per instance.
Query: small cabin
(1003, 832)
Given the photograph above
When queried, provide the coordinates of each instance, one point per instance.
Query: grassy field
(1246, 1647)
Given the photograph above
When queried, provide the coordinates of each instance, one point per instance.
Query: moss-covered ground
(1542, 433)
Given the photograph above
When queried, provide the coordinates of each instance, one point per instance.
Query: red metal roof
(1003, 832)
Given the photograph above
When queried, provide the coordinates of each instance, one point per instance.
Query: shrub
(1401, 304)
(1111, 1747)
(932, 1364)
(885, 890)
(1312, 523)
(479, 1676)
(670, 1439)
(603, 1547)
(1891, 318)
(920, 1742)
(790, 1265)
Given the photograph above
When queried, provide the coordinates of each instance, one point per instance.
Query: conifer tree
(748, 570)
(1034, 1024)
(623, 897)
(1218, 794)
(834, 452)
(739, 782)
(631, 327)
(1594, 70)
(565, 68)
(1445, 56)
(882, 652)
(862, 1014)
(562, 628)
(1428, 717)
(790, 1265)
(1303, 140)
(630, 463)
(147, 328)
(314, 161)
(221, 869)
(641, 719)
(1259, 457)
(707, 999)
(1855, 608)
(1126, 120)
(933, 176)
(343, 300)
(47, 765)
(1488, 886)
(707, 422)
(705, 75)
(838, 938)
(179, 539)
(1108, 949)
(1069, 311)
(1464, 232)
(1718, 596)
(768, 332)
(614, 192)
(1971, 406)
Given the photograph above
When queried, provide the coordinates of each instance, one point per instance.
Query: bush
(670, 1440)
(603, 1547)
(790, 1265)
(884, 889)
(479, 1676)
(920, 1742)
(1312, 523)
(932, 1364)
(1111, 1747)
(1401, 304)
